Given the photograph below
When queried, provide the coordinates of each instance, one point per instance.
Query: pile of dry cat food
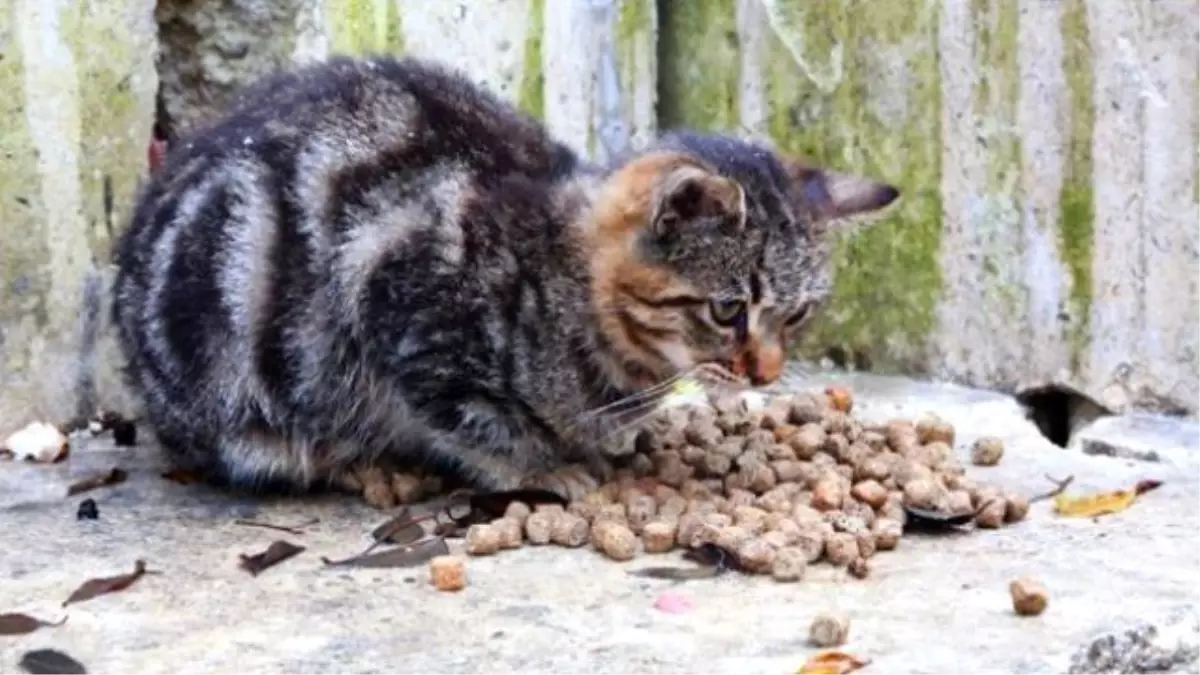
(767, 491)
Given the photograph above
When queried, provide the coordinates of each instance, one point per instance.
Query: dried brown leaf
(274, 554)
(114, 476)
(402, 529)
(181, 476)
(50, 662)
(94, 587)
(402, 556)
(19, 624)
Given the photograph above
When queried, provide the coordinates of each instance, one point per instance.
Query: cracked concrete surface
(936, 604)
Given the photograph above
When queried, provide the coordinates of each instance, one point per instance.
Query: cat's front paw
(574, 481)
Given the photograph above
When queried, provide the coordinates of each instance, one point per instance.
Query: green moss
(1078, 211)
(23, 251)
(698, 65)
(888, 276)
(532, 97)
(365, 26)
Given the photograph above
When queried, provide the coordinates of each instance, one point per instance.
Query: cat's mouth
(722, 375)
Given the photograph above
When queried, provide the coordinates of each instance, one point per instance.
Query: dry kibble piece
(840, 398)
(958, 502)
(758, 441)
(784, 433)
(671, 468)
(788, 470)
(787, 527)
(689, 525)
(519, 511)
(841, 548)
(482, 539)
(759, 477)
(407, 487)
(732, 537)
(693, 489)
(835, 446)
(703, 433)
(718, 520)
(538, 527)
(716, 464)
(641, 465)
(933, 428)
(827, 495)
(775, 500)
(1016, 508)
(673, 507)
(887, 533)
(859, 511)
(1029, 597)
(658, 536)
(987, 451)
(614, 540)
(902, 436)
(806, 516)
(789, 565)
(509, 532)
(991, 516)
(808, 440)
(569, 530)
(874, 440)
(829, 630)
(756, 555)
(693, 455)
(738, 498)
(775, 414)
(448, 573)
(870, 492)
(921, 494)
(640, 510)
(866, 544)
(859, 568)
(837, 422)
(553, 509)
(812, 542)
(985, 494)
(583, 510)
(614, 512)
(750, 517)
(776, 539)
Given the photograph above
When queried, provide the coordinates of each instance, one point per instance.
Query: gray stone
(1145, 648)
(935, 604)
(1145, 437)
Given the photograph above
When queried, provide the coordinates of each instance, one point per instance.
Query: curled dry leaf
(832, 663)
(94, 587)
(274, 554)
(36, 442)
(1090, 506)
(50, 661)
(934, 521)
(711, 559)
(402, 556)
(477, 509)
(402, 529)
(113, 476)
(19, 624)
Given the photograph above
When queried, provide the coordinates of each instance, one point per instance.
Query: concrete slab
(936, 604)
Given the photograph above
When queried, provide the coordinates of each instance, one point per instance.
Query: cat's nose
(764, 361)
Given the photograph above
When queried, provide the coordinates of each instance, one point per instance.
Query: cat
(370, 261)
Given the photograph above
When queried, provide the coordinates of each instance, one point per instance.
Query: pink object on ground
(673, 603)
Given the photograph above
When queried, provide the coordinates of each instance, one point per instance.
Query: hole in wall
(1059, 411)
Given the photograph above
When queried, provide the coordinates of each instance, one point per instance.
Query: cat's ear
(690, 192)
(832, 195)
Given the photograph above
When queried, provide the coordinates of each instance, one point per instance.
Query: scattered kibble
(1029, 597)
(448, 573)
(796, 482)
(829, 630)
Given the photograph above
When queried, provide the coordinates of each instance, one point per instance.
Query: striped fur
(373, 260)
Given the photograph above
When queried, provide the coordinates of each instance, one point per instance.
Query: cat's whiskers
(653, 393)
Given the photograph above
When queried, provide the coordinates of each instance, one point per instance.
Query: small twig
(1060, 486)
(272, 526)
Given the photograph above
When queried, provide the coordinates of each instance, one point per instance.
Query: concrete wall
(1048, 151)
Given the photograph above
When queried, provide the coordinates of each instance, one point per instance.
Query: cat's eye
(799, 315)
(725, 311)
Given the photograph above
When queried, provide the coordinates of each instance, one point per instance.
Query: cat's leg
(487, 454)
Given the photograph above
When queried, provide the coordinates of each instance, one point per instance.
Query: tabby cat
(371, 262)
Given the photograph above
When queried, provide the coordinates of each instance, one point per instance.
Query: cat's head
(710, 250)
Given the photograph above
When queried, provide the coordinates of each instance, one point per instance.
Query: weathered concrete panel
(79, 87)
(1048, 152)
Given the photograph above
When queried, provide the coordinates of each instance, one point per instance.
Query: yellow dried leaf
(1090, 506)
(688, 388)
(832, 663)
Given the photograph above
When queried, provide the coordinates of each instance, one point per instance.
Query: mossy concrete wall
(1048, 154)
(1047, 151)
(79, 82)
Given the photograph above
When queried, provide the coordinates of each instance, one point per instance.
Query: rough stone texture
(936, 604)
(1151, 438)
(1171, 647)
(1049, 208)
(79, 83)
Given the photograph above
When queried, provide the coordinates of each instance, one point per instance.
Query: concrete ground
(934, 605)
